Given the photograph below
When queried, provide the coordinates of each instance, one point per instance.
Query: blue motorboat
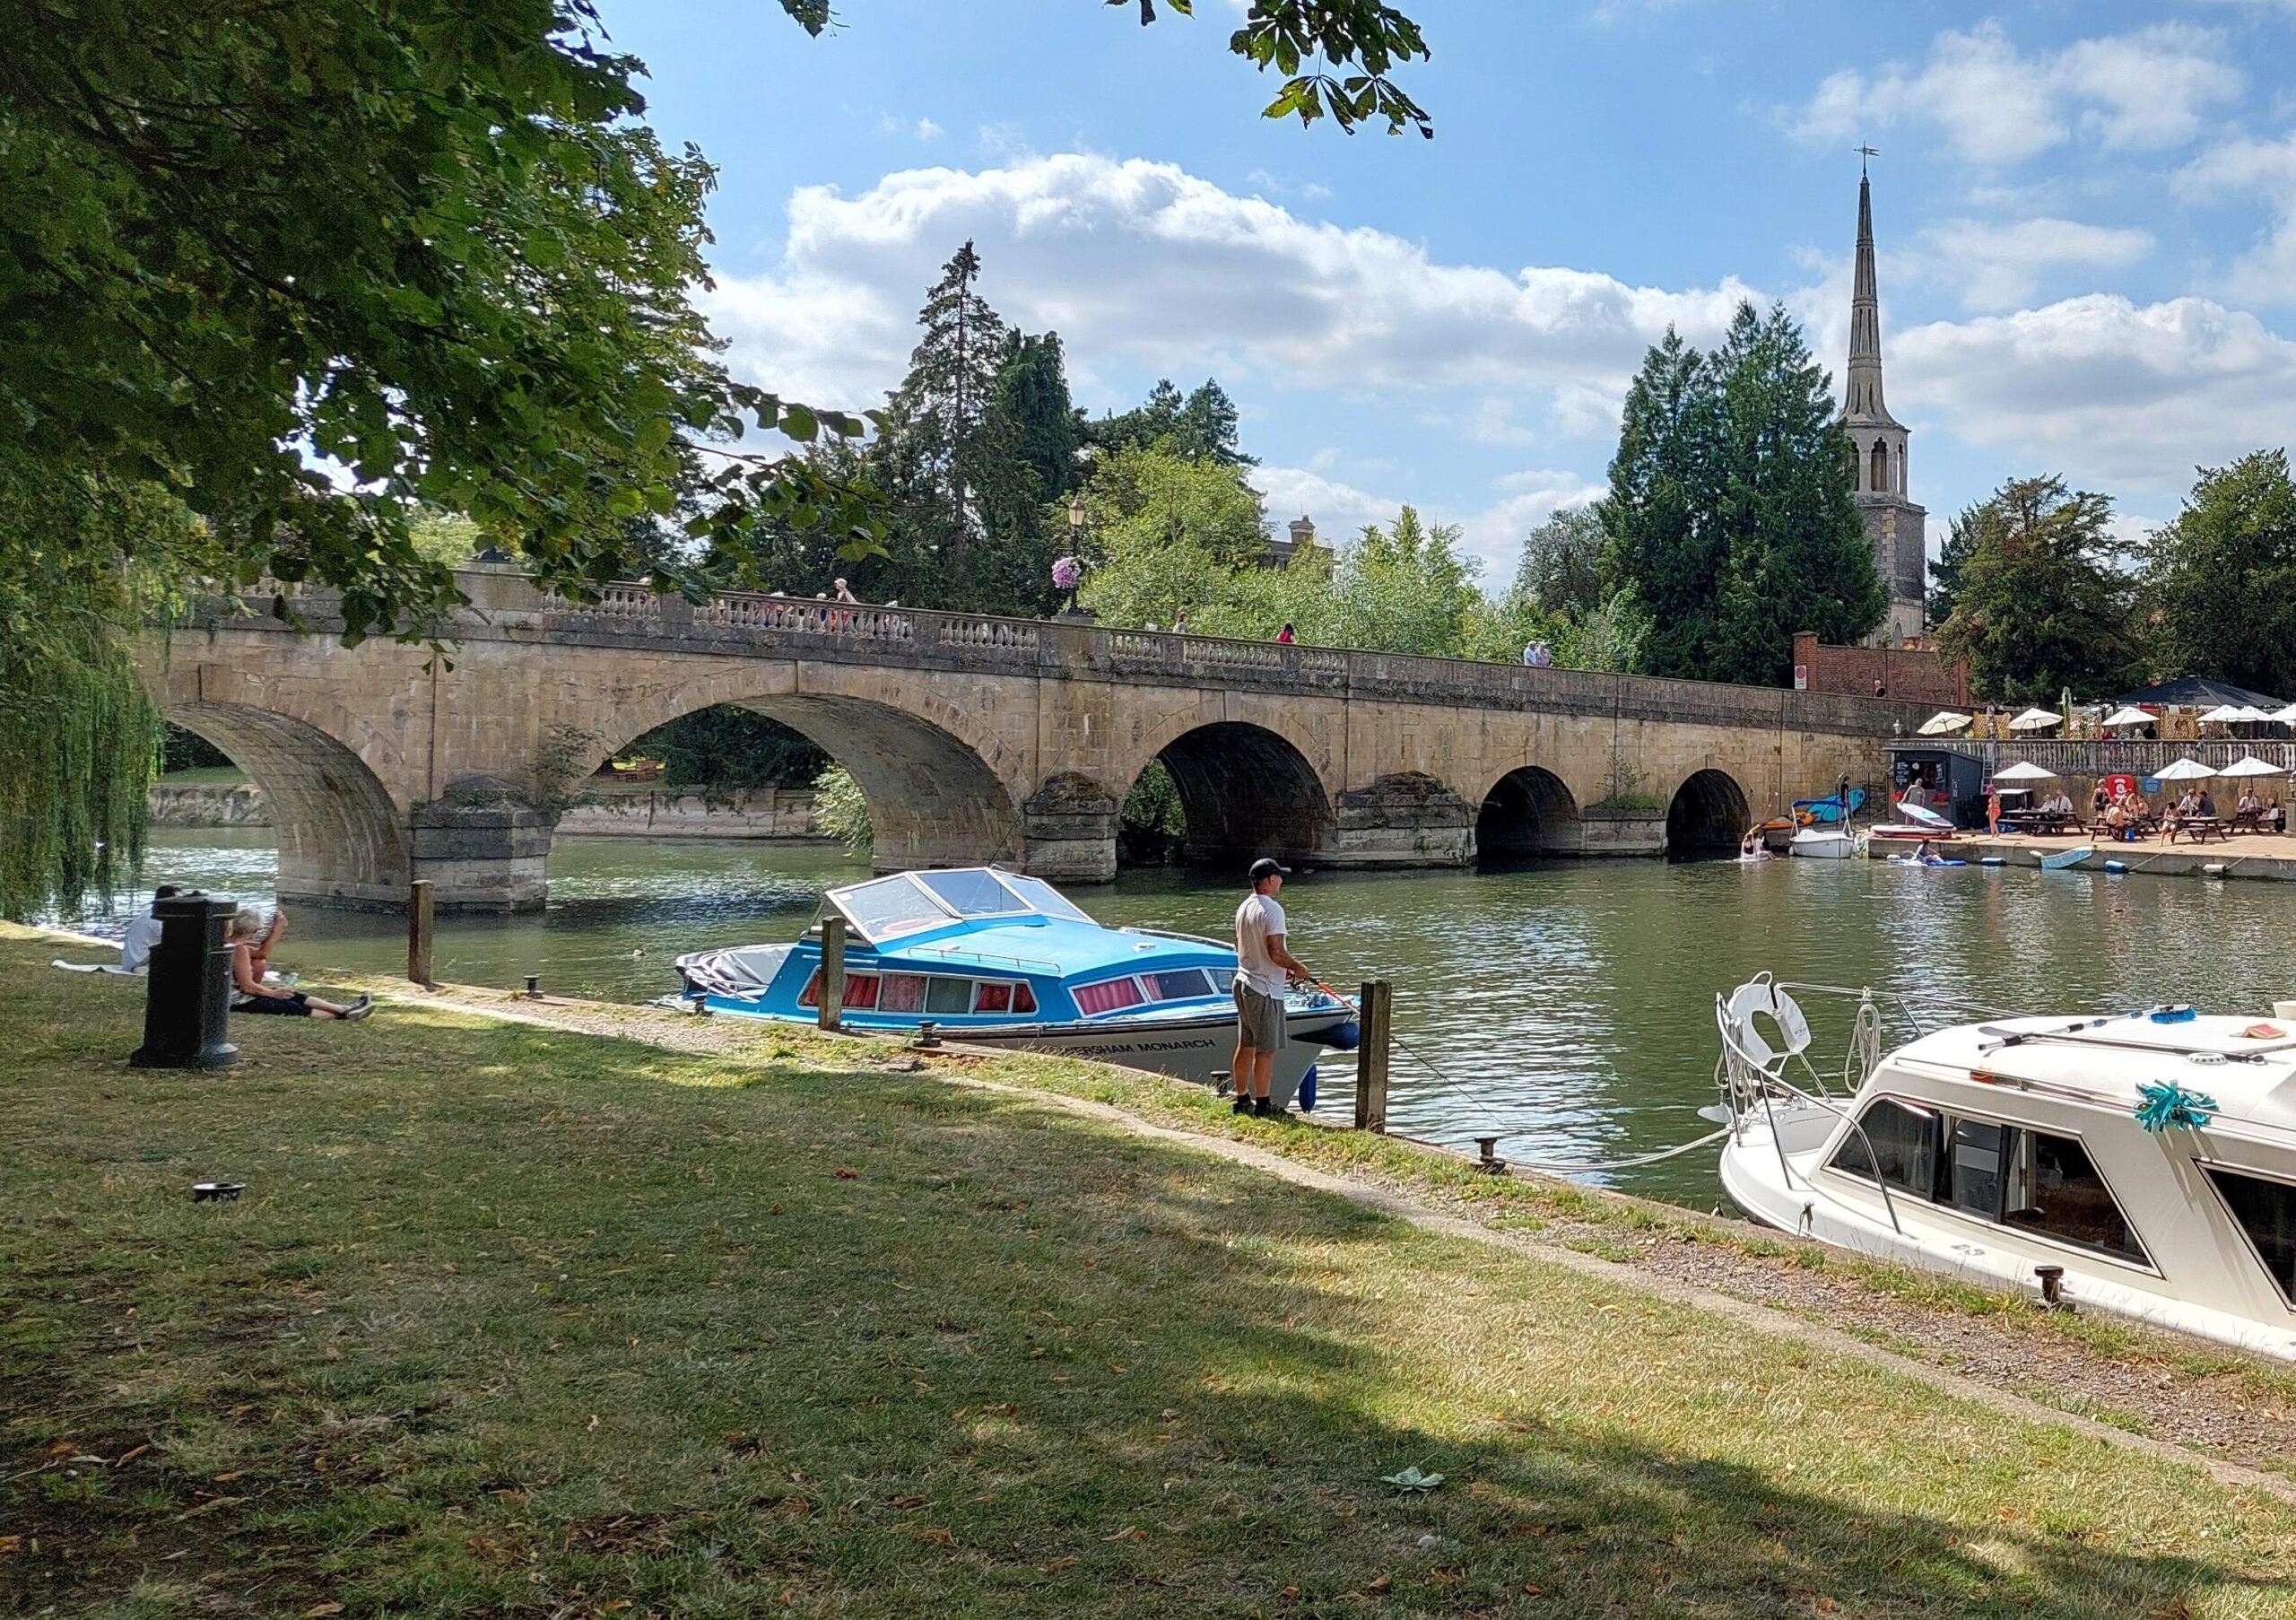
(1002, 959)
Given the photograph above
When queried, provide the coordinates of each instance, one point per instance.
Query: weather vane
(1863, 153)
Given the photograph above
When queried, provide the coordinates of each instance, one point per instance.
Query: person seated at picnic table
(2116, 819)
(2100, 801)
(2275, 818)
(2250, 806)
(2204, 804)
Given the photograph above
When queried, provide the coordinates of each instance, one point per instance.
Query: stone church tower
(1896, 527)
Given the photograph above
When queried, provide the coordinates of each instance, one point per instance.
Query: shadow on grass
(506, 1324)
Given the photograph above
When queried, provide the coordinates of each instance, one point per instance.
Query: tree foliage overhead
(2042, 604)
(1730, 513)
(436, 242)
(2220, 579)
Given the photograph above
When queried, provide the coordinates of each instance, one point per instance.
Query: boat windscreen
(1041, 896)
(972, 891)
(889, 907)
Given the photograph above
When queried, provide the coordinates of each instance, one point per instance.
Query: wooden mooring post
(833, 972)
(1374, 1015)
(418, 931)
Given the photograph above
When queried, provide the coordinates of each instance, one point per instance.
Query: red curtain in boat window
(1024, 999)
(902, 993)
(860, 992)
(1108, 995)
(992, 998)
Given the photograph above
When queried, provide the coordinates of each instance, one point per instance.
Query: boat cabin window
(2054, 1189)
(923, 993)
(973, 891)
(1904, 1139)
(2267, 1212)
(1108, 996)
(1042, 896)
(889, 907)
(1177, 984)
(2030, 1180)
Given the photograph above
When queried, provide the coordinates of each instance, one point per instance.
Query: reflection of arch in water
(933, 800)
(1527, 813)
(1708, 815)
(1247, 792)
(340, 837)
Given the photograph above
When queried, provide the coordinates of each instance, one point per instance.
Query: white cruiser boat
(1824, 843)
(2143, 1164)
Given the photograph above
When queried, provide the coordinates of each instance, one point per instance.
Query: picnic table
(2259, 820)
(2040, 823)
(2202, 828)
(2143, 826)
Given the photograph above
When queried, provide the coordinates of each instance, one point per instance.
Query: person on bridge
(1262, 967)
(1283, 636)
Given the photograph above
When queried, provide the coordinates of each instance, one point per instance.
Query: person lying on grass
(249, 994)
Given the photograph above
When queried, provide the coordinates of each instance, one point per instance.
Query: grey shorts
(1259, 1019)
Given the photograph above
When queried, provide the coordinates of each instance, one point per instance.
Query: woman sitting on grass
(249, 994)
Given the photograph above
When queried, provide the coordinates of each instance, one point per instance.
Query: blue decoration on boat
(2166, 1105)
(1307, 1094)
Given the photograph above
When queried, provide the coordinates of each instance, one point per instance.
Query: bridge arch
(1708, 815)
(934, 800)
(1527, 813)
(340, 839)
(1245, 791)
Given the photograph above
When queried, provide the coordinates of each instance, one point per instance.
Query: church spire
(1863, 401)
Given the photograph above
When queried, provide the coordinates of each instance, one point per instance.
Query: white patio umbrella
(2253, 766)
(2132, 715)
(1945, 721)
(2184, 771)
(2024, 771)
(2285, 717)
(2249, 711)
(2037, 720)
(2224, 714)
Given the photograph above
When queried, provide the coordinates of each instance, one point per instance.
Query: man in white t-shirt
(142, 934)
(1262, 968)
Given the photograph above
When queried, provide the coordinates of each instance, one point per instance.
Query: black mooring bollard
(188, 998)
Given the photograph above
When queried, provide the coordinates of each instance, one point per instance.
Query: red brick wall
(1917, 676)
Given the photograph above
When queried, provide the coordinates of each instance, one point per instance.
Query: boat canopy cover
(911, 903)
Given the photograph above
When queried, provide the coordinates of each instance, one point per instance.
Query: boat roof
(985, 919)
(905, 903)
(2252, 1076)
(1046, 945)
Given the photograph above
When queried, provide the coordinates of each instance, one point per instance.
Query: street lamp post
(1068, 573)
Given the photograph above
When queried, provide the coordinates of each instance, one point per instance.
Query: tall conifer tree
(1659, 522)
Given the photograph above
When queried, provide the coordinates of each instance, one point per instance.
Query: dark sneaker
(1263, 1108)
(1243, 1105)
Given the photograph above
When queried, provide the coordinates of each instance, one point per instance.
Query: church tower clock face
(1895, 528)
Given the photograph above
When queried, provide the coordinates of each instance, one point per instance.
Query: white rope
(1567, 1164)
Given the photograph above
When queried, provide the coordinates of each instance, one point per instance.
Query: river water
(1566, 1007)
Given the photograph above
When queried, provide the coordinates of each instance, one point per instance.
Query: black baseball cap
(1265, 867)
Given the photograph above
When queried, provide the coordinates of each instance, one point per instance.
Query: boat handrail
(1737, 1059)
(1202, 940)
(954, 948)
(1910, 1008)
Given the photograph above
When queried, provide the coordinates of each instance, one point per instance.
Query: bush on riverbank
(518, 1321)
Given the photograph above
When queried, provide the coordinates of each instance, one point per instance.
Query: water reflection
(1568, 1007)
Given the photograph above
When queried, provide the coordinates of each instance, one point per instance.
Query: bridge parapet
(751, 624)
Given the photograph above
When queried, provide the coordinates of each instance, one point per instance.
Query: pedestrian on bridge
(1263, 967)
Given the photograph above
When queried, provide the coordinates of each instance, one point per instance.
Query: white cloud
(1999, 264)
(2140, 91)
(2109, 392)
(927, 130)
(2263, 169)
(1143, 264)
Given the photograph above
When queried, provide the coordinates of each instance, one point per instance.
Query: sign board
(2150, 784)
(1800, 677)
(2119, 783)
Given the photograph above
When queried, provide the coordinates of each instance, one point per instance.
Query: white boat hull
(1814, 843)
(1189, 1050)
(1794, 1194)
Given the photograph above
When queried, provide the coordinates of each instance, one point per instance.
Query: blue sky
(2087, 216)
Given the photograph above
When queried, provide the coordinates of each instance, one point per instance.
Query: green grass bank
(520, 1322)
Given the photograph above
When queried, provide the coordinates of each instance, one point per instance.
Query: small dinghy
(2060, 860)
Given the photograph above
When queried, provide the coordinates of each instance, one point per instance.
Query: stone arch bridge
(974, 738)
